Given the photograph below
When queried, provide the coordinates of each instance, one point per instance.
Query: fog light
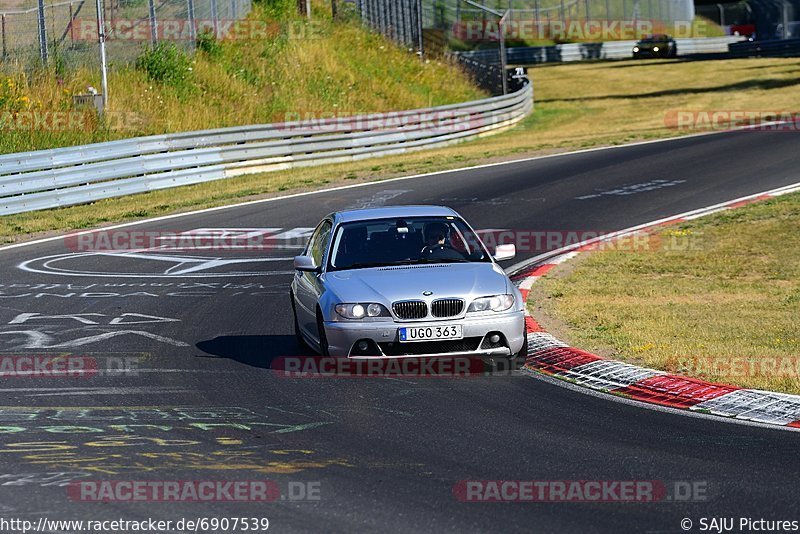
(495, 338)
(363, 346)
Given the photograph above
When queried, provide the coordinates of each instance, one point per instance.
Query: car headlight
(495, 303)
(635, 48)
(360, 310)
(655, 49)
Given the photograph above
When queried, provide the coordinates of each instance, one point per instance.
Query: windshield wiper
(443, 260)
(367, 265)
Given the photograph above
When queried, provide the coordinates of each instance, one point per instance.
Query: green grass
(722, 302)
(301, 68)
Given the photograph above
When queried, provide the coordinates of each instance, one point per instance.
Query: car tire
(519, 359)
(323, 339)
(301, 341)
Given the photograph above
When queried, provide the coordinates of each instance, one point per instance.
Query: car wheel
(323, 339)
(301, 341)
(519, 359)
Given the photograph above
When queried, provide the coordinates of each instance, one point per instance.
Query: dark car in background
(655, 46)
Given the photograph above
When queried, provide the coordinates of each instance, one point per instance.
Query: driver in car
(437, 239)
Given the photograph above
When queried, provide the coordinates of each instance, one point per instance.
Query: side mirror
(505, 252)
(306, 264)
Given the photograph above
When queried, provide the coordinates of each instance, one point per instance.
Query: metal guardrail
(531, 55)
(59, 177)
(776, 48)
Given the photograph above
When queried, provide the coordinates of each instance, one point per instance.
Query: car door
(308, 286)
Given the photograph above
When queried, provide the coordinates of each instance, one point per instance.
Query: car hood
(389, 284)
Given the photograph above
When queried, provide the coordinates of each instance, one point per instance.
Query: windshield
(385, 242)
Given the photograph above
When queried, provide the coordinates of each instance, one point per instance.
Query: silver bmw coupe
(406, 282)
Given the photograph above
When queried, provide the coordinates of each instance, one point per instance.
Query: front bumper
(383, 341)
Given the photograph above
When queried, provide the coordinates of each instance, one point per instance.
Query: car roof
(391, 212)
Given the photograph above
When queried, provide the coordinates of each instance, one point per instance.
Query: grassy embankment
(300, 67)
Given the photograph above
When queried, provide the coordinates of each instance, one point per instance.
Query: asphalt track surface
(204, 404)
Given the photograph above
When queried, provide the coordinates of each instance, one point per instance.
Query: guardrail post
(153, 23)
(42, 33)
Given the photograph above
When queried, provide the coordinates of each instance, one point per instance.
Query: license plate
(430, 333)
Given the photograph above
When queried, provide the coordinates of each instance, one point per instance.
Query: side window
(319, 242)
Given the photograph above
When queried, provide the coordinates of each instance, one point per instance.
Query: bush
(278, 8)
(166, 63)
(207, 43)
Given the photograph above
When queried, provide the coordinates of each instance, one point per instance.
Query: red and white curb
(548, 355)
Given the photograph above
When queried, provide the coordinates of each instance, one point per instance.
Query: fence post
(214, 18)
(101, 39)
(5, 52)
(42, 33)
(153, 23)
(69, 26)
(785, 19)
(190, 17)
(503, 59)
(419, 28)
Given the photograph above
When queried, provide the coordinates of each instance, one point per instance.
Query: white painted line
(627, 231)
